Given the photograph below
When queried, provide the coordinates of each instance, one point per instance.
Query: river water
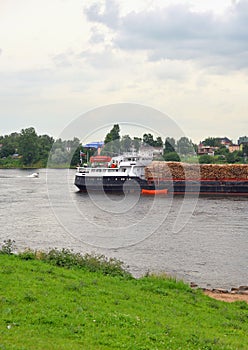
(201, 240)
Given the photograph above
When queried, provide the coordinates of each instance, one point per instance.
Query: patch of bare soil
(228, 297)
(235, 294)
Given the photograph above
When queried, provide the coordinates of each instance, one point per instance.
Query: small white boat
(33, 175)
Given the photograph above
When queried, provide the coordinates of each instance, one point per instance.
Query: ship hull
(110, 184)
(117, 184)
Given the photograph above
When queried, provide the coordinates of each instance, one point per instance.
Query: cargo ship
(124, 173)
(138, 173)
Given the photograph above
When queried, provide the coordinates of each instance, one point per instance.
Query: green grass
(44, 306)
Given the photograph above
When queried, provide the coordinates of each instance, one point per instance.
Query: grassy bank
(54, 301)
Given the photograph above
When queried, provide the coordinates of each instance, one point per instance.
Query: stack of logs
(176, 171)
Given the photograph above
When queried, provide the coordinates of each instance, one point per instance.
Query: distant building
(233, 148)
(151, 151)
(225, 141)
(97, 144)
(243, 140)
(209, 150)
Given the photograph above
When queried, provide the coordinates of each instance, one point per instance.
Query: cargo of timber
(205, 179)
(132, 173)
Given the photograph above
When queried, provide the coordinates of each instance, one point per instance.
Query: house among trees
(206, 150)
(233, 148)
(225, 141)
(211, 145)
(155, 152)
(243, 142)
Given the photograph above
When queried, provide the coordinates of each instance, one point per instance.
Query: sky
(61, 59)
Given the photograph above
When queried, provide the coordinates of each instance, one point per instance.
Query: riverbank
(228, 297)
(60, 304)
(232, 295)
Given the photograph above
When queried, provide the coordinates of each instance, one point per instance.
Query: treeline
(27, 149)
(171, 149)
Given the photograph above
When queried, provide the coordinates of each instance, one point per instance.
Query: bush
(172, 157)
(206, 159)
(28, 254)
(7, 247)
(68, 259)
(63, 258)
(108, 266)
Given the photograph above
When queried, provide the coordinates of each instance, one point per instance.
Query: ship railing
(97, 170)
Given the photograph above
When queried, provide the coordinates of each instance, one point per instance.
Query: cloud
(108, 15)
(62, 60)
(100, 60)
(28, 83)
(96, 36)
(178, 33)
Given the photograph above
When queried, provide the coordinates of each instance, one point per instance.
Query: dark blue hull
(110, 184)
(120, 184)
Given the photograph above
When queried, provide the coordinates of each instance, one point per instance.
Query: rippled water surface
(201, 240)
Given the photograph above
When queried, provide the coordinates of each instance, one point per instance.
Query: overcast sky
(62, 58)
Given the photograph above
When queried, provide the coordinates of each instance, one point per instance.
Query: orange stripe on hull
(153, 192)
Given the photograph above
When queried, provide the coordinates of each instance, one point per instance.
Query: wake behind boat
(34, 175)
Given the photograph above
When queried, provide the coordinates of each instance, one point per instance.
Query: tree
(148, 139)
(230, 158)
(136, 143)
(65, 151)
(245, 150)
(113, 135)
(234, 157)
(59, 157)
(10, 144)
(45, 144)
(125, 143)
(185, 146)
(112, 142)
(75, 160)
(222, 150)
(169, 145)
(76, 148)
(212, 142)
(28, 144)
(7, 150)
(158, 142)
